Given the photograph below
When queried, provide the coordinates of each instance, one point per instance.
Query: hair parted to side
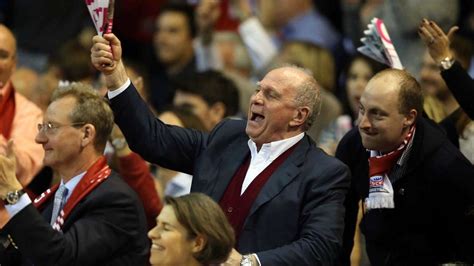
(410, 95)
(90, 108)
(200, 215)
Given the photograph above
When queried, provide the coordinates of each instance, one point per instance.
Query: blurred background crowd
(196, 62)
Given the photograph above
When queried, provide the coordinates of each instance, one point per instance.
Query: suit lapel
(228, 164)
(283, 175)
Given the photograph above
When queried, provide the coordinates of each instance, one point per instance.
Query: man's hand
(234, 259)
(436, 40)
(8, 180)
(106, 56)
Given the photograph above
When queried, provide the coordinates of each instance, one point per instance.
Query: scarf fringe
(379, 202)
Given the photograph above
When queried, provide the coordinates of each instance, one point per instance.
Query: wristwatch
(119, 143)
(446, 63)
(13, 197)
(246, 260)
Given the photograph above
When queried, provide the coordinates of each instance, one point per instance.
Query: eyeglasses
(50, 128)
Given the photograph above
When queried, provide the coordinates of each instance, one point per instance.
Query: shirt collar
(182, 179)
(72, 183)
(270, 151)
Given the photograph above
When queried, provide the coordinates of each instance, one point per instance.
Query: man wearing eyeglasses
(92, 217)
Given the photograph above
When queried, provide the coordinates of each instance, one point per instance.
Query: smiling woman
(191, 230)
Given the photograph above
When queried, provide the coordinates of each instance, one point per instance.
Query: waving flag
(378, 45)
(102, 14)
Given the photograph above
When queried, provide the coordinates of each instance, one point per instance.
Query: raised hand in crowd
(436, 40)
(456, 77)
(106, 56)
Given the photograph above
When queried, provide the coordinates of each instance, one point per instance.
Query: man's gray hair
(308, 93)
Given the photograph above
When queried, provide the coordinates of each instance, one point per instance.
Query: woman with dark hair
(191, 230)
(360, 70)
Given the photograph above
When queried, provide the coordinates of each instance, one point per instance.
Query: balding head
(410, 95)
(7, 54)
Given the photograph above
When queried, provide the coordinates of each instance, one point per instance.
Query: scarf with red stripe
(94, 176)
(380, 187)
(7, 110)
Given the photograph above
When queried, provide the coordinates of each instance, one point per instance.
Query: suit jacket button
(401, 191)
(230, 209)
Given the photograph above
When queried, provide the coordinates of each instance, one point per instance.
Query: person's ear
(88, 134)
(410, 118)
(198, 244)
(300, 116)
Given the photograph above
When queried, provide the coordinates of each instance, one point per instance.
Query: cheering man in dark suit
(283, 196)
(417, 188)
(92, 217)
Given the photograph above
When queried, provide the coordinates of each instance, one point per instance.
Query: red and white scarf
(380, 187)
(95, 175)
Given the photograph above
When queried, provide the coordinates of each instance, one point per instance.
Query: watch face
(12, 197)
(447, 63)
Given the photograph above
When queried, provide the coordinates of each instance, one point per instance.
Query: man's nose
(256, 98)
(364, 122)
(41, 137)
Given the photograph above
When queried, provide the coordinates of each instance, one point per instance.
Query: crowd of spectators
(308, 152)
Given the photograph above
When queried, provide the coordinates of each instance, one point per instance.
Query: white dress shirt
(263, 158)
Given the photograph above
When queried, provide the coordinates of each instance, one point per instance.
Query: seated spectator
(191, 230)
(18, 117)
(360, 70)
(210, 95)
(92, 217)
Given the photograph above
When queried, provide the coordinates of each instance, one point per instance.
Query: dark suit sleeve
(462, 87)
(322, 223)
(344, 154)
(169, 146)
(104, 233)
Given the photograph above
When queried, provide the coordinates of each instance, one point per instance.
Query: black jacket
(107, 227)
(429, 224)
